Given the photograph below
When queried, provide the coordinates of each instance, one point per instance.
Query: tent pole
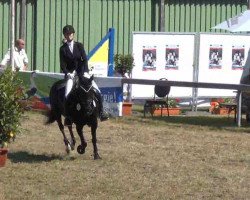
(12, 33)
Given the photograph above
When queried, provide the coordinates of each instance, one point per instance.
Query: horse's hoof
(72, 145)
(68, 148)
(97, 157)
(80, 149)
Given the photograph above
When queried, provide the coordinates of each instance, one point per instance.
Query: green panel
(86, 25)
(4, 28)
(39, 47)
(53, 52)
(120, 39)
(197, 17)
(187, 17)
(58, 35)
(170, 16)
(148, 16)
(47, 35)
(110, 11)
(80, 30)
(192, 16)
(131, 23)
(203, 17)
(95, 23)
(17, 18)
(179, 17)
(142, 15)
(126, 19)
(30, 34)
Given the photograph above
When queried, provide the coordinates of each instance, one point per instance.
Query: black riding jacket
(77, 61)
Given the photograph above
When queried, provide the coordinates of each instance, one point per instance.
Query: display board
(222, 59)
(202, 57)
(162, 55)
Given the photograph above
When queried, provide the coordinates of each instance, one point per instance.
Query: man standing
(20, 57)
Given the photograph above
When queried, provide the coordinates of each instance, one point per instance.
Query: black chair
(161, 92)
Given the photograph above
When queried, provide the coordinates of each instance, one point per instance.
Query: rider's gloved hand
(86, 75)
(71, 75)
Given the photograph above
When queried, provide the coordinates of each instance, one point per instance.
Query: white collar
(71, 43)
(16, 49)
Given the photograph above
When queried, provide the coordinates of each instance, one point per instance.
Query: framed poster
(149, 58)
(238, 57)
(215, 57)
(172, 57)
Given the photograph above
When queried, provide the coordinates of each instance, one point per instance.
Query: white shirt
(20, 59)
(71, 45)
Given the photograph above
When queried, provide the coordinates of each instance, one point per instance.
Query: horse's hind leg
(66, 141)
(94, 141)
(73, 140)
(81, 148)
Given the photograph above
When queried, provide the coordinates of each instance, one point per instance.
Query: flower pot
(3, 156)
(172, 111)
(222, 111)
(126, 108)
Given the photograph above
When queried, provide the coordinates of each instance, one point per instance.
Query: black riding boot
(102, 114)
(67, 120)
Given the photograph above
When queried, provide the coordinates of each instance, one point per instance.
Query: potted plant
(123, 66)
(173, 108)
(222, 106)
(10, 109)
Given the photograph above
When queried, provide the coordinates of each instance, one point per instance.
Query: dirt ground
(142, 158)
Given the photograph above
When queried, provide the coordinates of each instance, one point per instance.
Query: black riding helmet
(68, 29)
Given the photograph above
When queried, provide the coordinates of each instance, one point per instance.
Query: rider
(73, 60)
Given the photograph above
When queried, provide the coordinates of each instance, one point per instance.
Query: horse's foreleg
(94, 141)
(81, 148)
(73, 140)
(65, 140)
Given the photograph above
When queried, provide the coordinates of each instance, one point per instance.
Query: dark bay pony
(83, 111)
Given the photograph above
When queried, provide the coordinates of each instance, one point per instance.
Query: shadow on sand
(26, 157)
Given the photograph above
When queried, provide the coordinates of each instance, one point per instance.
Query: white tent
(239, 23)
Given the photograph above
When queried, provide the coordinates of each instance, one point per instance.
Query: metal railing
(239, 87)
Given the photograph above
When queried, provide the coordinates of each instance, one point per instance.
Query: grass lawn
(176, 157)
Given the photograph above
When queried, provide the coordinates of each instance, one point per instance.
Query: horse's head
(85, 82)
(86, 93)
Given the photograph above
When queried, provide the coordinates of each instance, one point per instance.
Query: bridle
(86, 91)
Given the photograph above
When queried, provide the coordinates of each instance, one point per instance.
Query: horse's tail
(50, 117)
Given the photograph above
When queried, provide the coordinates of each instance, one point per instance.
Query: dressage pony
(83, 111)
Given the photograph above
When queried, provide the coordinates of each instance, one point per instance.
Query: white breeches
(69, 85)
